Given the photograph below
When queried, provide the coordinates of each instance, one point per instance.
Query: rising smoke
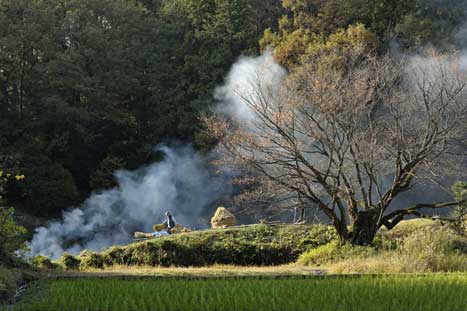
(246, 77)
(182, 183)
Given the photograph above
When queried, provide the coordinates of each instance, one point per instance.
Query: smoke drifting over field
(181, 183)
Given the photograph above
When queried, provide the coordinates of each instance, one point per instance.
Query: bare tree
(350, 140)
(266, 200)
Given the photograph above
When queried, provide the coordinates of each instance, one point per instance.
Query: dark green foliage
(115, 256)
(103, 178)
(10, 280)
(12, 236)
(8, 283)
(43, 263)
(416, 23)
(91, 260)
(69, 262)
(90, 86)
(252, 245)
(47, 189)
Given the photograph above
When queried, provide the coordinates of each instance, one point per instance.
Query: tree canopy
(407, 24)
(90, 86)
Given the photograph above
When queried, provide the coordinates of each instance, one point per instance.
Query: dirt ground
(212, 271)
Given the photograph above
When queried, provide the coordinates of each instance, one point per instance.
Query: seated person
(169, 221)
(166, 228)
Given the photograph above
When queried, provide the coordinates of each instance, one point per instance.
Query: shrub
(114, 256)
(91, 260)
(244, 253)
(42, 262)
(303, 238)
(69, 262)
(8, 280)
(12, 236)
(431, 250)
(334, 251)
(144, 254)
(409, 227)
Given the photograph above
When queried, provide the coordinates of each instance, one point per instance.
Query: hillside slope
(246, 245)
(269, 245)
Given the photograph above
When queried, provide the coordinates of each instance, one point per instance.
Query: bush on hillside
(69, 262)
(114, 256)
(334, 251)
(91, 260)
(433, 250)
(43, 263)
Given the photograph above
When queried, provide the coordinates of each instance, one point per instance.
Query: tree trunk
(364, 227)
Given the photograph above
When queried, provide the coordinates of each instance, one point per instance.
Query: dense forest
(91, 86)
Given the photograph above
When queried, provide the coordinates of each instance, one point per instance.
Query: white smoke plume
(246, 76)
(182, 183)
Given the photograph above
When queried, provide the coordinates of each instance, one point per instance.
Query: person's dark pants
(169, 230)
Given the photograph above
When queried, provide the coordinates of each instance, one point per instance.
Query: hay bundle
(179, 229)
(159, 227)
(159, 230)
(142, 235)
(223, 219)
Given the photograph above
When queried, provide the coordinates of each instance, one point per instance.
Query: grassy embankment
(413, 246)
(259, 245)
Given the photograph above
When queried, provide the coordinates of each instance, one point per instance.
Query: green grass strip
(370, 293)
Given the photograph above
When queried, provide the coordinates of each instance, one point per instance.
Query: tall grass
(384, 293)
(432, 250)
(416, 247)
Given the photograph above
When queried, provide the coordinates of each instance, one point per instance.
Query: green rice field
(369, 293)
